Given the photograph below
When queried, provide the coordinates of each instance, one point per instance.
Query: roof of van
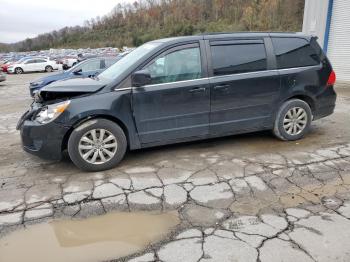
(221, 35)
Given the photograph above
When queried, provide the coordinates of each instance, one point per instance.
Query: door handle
(221, 87)
(197, 89)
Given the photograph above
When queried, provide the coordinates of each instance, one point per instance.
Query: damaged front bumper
(43, 140)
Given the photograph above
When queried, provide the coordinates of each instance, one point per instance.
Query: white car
(33, 65)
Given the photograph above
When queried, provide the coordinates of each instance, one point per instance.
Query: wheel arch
(100, 116)
(306, 98)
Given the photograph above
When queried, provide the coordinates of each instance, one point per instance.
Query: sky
(20, 19)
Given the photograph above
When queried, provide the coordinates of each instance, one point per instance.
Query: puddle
(94, 239)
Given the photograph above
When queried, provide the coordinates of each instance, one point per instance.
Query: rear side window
(294, 52)
(238, 58)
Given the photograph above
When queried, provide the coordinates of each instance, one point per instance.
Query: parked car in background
(2, 76)
(5, 65)
(182, 89)
(34, 64)
(68, 62)
(87, 68)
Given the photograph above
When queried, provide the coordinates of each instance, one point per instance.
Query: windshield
(21, 60)
(127, 61)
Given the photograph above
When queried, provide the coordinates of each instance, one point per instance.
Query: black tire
(279, 129)
(18, 70)
(80, 131)
(48, 69)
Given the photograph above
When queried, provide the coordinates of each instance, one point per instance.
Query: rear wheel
(18, 70)
(293, 120)
(48, 69)
(97, 145)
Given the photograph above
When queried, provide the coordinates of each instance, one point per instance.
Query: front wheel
(18, 70)
(97, 145)
(48, 69)
(293, 120)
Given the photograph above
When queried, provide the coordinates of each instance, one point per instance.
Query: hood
(70, 88)
(51, 78)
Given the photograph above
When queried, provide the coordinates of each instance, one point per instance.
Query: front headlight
(51, 112)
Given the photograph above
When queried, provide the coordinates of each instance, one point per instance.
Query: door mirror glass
(140, 78)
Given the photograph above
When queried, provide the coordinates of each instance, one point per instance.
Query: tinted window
(177, 66)
(294, 52)
(40, 61)
(238, 58)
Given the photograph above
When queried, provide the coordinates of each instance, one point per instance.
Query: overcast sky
(20, 19)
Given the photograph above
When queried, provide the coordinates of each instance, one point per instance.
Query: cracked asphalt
(241, 198)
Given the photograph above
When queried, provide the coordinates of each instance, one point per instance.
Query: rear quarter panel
(304, 81)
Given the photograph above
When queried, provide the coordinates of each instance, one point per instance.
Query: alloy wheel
(97, 146)
(295, 121)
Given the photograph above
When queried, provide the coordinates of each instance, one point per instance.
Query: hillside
(135, 24)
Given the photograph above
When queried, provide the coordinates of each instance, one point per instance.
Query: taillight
(331, 79)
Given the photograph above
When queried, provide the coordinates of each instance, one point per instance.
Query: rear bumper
(325, 104)
(44, 141)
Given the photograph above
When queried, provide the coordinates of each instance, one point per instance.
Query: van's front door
(176, 104)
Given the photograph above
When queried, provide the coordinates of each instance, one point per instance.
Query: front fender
(114, 105)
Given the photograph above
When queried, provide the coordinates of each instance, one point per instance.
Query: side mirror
(78, 72)
(140, 78)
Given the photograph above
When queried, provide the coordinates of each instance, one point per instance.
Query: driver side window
(177, 66)
(91, 66)
(30, 61)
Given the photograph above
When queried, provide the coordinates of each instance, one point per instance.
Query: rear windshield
(294, 52)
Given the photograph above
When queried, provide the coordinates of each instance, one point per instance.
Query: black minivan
(181, 89)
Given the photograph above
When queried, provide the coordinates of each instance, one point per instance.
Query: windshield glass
(21, 60)
(127, 61)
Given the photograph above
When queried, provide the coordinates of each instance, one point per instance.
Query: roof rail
(245, 32)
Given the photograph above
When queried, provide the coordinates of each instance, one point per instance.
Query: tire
(78, 147)
(293, 120)
(18, 70)
(48, 69)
